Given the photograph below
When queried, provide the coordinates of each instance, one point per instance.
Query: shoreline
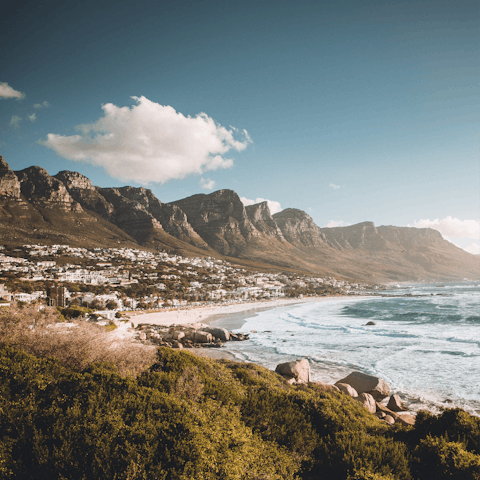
(234, 316)
(228, 316)
(216, 313)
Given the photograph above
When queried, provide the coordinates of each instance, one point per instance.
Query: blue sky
(351, 111)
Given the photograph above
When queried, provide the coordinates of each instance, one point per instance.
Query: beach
(231, 315)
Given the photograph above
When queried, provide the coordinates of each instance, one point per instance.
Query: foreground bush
(76, 345)
(188, 417)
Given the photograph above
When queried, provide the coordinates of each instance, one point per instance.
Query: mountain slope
(66, 208)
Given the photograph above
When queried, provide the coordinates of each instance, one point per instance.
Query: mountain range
(68, 209)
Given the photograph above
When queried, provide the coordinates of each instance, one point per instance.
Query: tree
(111, 305)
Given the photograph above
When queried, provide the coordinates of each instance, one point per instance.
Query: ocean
(425, 342)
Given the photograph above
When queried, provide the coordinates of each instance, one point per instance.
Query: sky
(351, 111)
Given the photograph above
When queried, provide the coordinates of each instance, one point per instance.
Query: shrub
(440, 459)
(38, 332)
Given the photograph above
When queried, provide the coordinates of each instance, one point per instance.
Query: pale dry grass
(76, 345)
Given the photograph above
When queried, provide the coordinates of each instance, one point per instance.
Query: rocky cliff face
(220, 219)
(170, 217)
(360, 236)
(9, 183)
(131, 216)
(261, 218)
(298, 228)
(83, 192)
(41, 189)
(407, 237)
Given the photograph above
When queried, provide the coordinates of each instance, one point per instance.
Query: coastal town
(112, 280)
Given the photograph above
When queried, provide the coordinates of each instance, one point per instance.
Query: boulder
(178, 335)
(384, 409)
(395, 404)
(370, 323)
(364, 383)
(142, 336)
(326, 387)
(202, 337)
(298, 369)
(367, 401)
(346, 388)
(406, 419)
(389, 419)
(220, 333)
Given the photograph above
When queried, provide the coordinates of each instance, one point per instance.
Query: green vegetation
(96, 412)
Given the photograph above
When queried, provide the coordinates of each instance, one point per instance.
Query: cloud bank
(474, 249)
(150, 142)
(274, 206)
(6, 91)
(45, 104)
(452, 227)
(207, 183)
(15, 121)
(336, 223)
(335, 187)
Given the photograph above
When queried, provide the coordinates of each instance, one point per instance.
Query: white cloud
(207, 183)
(15, 121)
(273, 206)
(473, 249)
(150, 142)
(452, 227)
(6, 91)
(335, 187)
(45, 104)
(336, 223)
(32, 117)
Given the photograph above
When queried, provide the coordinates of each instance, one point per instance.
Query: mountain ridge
(68, 208)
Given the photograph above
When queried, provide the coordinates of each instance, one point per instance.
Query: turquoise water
(425, 342)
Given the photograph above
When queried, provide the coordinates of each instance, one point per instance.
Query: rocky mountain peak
(261, 218)
(141, 195)
(299, 228)
(220, 219)
(43, 190)
(9, 183)
(3, 164)
(74, 180)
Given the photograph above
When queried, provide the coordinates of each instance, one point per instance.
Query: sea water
(425, 342)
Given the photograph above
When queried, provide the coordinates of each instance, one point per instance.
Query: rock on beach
(364, 383)
(298, 370)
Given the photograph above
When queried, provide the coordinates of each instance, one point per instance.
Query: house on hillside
(4, 294)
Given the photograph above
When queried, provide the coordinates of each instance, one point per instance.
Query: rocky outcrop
(192, 335)
(298, 228)
(220, 219)
(261, 218)
(129, 215)
(297, 371)
(9, 183)
(395, 404)
(367, 401)
(82, 190)
(347, 389)
(221, 333)
(39, 188)
(364, 383)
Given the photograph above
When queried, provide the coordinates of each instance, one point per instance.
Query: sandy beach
(234, 312)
